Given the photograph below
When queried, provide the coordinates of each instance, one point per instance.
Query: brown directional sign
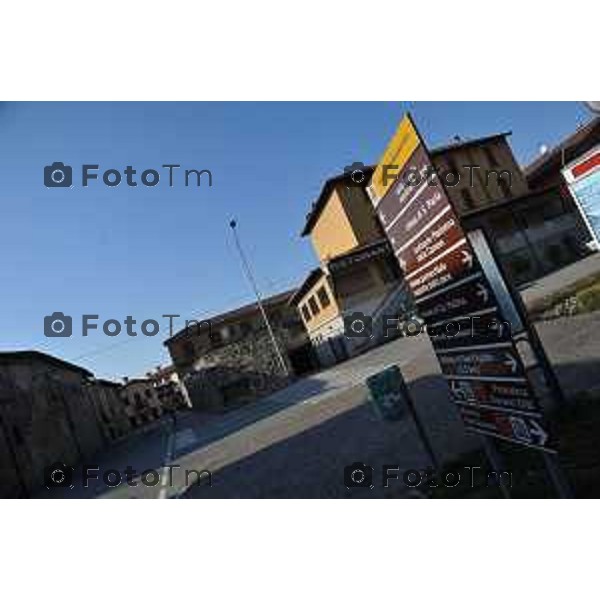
(477, 329)
(482, 361)
(470, 295)
(507, 394)
(513, 427)
(440, 272)
(469, 332)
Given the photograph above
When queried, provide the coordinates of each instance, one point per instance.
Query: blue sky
(148, 251)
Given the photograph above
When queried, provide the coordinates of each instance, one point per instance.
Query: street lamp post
(248, 271)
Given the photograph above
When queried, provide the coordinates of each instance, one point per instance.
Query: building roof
(137, 380)
(35, 355)
(109, 383)
(306, 285)
(460, 144)
(241, 312)
(317, 208)
(575, 144)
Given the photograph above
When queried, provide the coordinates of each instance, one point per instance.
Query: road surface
(297, 442)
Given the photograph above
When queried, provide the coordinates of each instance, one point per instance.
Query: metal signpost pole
(557, 475)
(488, 257)
(470, 315)
(392, 399)
(495, 459)
(435, 463)
(246, 265)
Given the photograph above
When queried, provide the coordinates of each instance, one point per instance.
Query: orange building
(357, 275)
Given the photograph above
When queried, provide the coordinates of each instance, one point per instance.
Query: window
(306, 313)
(467, 199)
(323, 297)
(314, 307)
(245, 328)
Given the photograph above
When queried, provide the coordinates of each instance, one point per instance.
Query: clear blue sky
(147, 251)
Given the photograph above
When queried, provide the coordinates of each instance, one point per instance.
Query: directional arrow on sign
(482, 292)
(511, 362)
(537, 430)
(467, 258)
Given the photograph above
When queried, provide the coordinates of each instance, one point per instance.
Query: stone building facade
(54, 411)
(46, 416)
(171, 392)
(110, 409)
(141, 402)
(234, 361)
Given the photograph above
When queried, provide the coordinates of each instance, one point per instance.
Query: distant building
(358, 272)
(234, 360)
(110, 408)
(54, 411)
(141, 401)
(46, 416)
(538, 230)
(488, 172)
(172, 393)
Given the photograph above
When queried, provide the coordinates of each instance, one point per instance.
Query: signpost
(389, 394)
(392, 402)
(467, 309)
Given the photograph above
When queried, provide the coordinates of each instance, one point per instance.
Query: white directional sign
(583, 179)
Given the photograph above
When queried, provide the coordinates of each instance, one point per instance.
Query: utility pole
(248, 271)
